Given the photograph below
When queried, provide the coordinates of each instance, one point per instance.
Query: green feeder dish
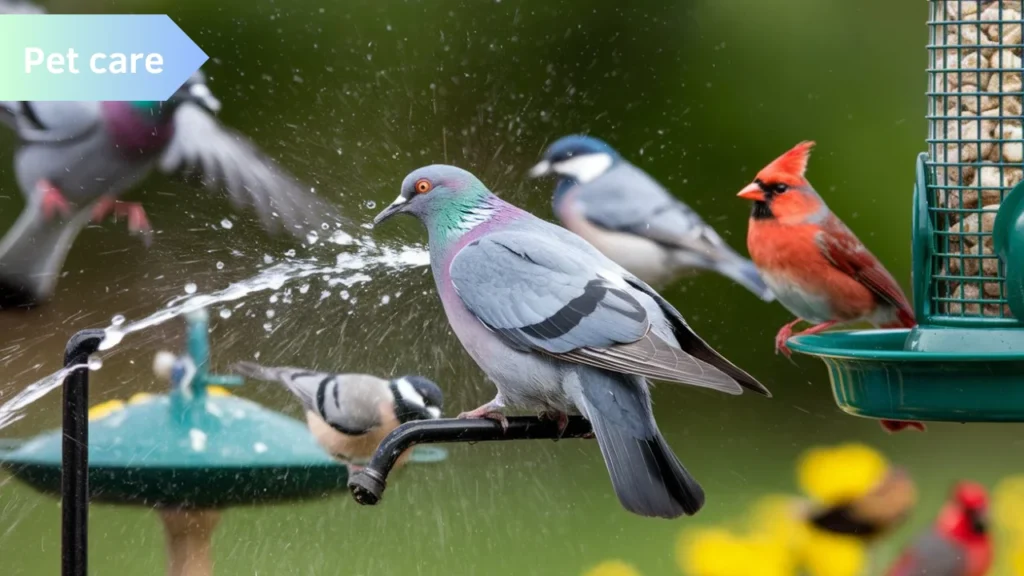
(964, 362)
(188, 453)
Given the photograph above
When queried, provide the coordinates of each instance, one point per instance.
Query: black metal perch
(368, 484)
(75, 458)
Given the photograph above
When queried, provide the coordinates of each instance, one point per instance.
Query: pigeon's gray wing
(20, 7)
(931, 555)
(32, 253)
(544, 295)
(626, 199)
(226, 158)
(694, 345)
(52, 122)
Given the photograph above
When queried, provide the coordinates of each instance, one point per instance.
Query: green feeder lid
(216, 452)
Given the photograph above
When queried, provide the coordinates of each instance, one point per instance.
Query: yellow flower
(778, 516)
(217, 391)
(612, 568)
(104, 409)
(1008, 504)
(717, 552)
(827, 554)
(140, 398)
(835, 475)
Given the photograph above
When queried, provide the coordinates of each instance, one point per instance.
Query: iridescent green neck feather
(459, 213)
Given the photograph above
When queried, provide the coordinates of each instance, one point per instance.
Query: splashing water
(349, 269)
(13, 410)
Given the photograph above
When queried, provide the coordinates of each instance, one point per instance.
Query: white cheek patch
(584, 168)
(409, 394)
(434, 412)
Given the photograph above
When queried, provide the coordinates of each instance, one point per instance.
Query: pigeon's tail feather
(743, 272)
(32, 253)
(647, 476)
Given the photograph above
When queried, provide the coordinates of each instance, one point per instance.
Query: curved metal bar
(74, 481)
(368, 484)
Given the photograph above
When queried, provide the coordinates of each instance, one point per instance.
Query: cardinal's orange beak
(752, 192)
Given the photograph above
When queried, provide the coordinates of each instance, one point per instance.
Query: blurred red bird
(813, 263)
(958, 544)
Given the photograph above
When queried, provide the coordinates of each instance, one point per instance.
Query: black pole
(74, 474)
(368, 484)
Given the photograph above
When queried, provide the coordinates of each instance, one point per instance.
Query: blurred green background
(351, 96)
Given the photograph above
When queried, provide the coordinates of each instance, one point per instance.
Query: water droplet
(267, 259)
(271, 314)
(370, 204)
(325, 226)
(290, 253)
(227, 224)
(268, 326)
(274, 299)
(220, 265)
(304, 288)
(385, 299)
(312, 237)
(344, 294)
(113, 338)
(95, 362)
(190, 288)
(117, 320)
(225, 313)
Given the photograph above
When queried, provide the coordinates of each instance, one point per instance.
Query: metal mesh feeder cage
(964, 362)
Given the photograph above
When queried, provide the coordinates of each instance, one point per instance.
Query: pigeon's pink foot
(105, 205)
(489, 411)
(561, 417)
(137, 221)
(53, 201)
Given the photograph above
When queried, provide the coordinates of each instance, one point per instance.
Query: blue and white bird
(633, 220)
(560, 329)
(349, 414)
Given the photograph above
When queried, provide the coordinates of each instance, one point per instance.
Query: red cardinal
(958, 545)
(812, 262)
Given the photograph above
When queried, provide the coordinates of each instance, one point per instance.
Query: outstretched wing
(20, 7)
(547, 296)
(227, 159)
(847, 253)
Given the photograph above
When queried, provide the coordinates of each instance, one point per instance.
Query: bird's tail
(743, 272)
(647, 477)
(32, 253)
(257, 372)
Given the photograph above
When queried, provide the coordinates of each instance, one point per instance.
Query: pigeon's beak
(752, 192)
(543, 167)
(202, 94)
(397, 206)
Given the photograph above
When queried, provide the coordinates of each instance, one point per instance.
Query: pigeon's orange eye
(423, 186)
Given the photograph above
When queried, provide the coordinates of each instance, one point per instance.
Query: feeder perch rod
(74, 479)
(368, 484)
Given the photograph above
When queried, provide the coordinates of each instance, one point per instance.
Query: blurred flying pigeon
(627, 215)
(19, 7)
(560, 328)
(349, 414)
(77, 158)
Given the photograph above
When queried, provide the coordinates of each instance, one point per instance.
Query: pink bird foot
(53, 201)
(561, 417)
(489, 411)
(105, 205)
(893, 426)
(784, 334)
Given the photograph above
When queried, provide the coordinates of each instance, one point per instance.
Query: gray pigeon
(351, 413)
(77, 158)
(633, 220)
(561, 329)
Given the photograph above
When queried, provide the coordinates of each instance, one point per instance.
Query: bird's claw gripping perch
(486, 411)
(52, 202)
(561, 417)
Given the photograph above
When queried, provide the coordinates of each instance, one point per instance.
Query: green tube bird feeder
(964, 362)
(188, 454)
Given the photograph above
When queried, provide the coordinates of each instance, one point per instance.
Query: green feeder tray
(965, 361)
